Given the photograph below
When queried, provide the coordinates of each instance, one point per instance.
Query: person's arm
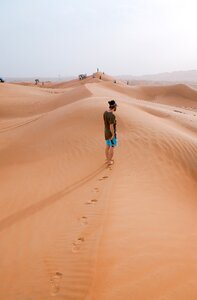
(112, 130)
(111, 125)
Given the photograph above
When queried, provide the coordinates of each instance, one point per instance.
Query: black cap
(112, 103)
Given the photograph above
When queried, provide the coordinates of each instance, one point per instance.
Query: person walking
(110, 131)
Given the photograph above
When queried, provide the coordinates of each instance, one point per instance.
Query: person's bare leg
(111, 154)
(107, 152)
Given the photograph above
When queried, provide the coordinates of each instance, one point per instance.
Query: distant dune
(177, 95)
(177, 76)
(73, 228)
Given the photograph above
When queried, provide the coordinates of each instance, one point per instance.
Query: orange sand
(70, 228)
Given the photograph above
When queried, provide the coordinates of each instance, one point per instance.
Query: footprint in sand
(93, 201)
(76, 245)
(104, 177)
(55, 283)
(84, 220)
(96, 189)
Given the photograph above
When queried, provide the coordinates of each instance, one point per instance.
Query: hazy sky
(68, 37)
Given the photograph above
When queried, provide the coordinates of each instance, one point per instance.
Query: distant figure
(36, 81)
(103, 73)
(97, 69)
(127, 82)
(100, 77)
(110, 131)
(114, 81)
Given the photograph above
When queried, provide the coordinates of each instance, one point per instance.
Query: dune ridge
(179, 95)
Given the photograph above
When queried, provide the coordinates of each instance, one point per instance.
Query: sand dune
(71, 228)
(177, 95)
(18, 101)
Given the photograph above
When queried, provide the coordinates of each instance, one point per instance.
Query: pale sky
(47, 38)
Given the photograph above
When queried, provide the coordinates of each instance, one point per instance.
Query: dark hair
(112, 104)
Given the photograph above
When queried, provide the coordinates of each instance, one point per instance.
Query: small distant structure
(1, 80)
(127, 82)
(82, 76)
(37, 81)
(114, 81)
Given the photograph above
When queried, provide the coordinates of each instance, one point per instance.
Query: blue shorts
(112, 143)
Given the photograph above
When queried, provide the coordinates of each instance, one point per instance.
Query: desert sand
(72, 228)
